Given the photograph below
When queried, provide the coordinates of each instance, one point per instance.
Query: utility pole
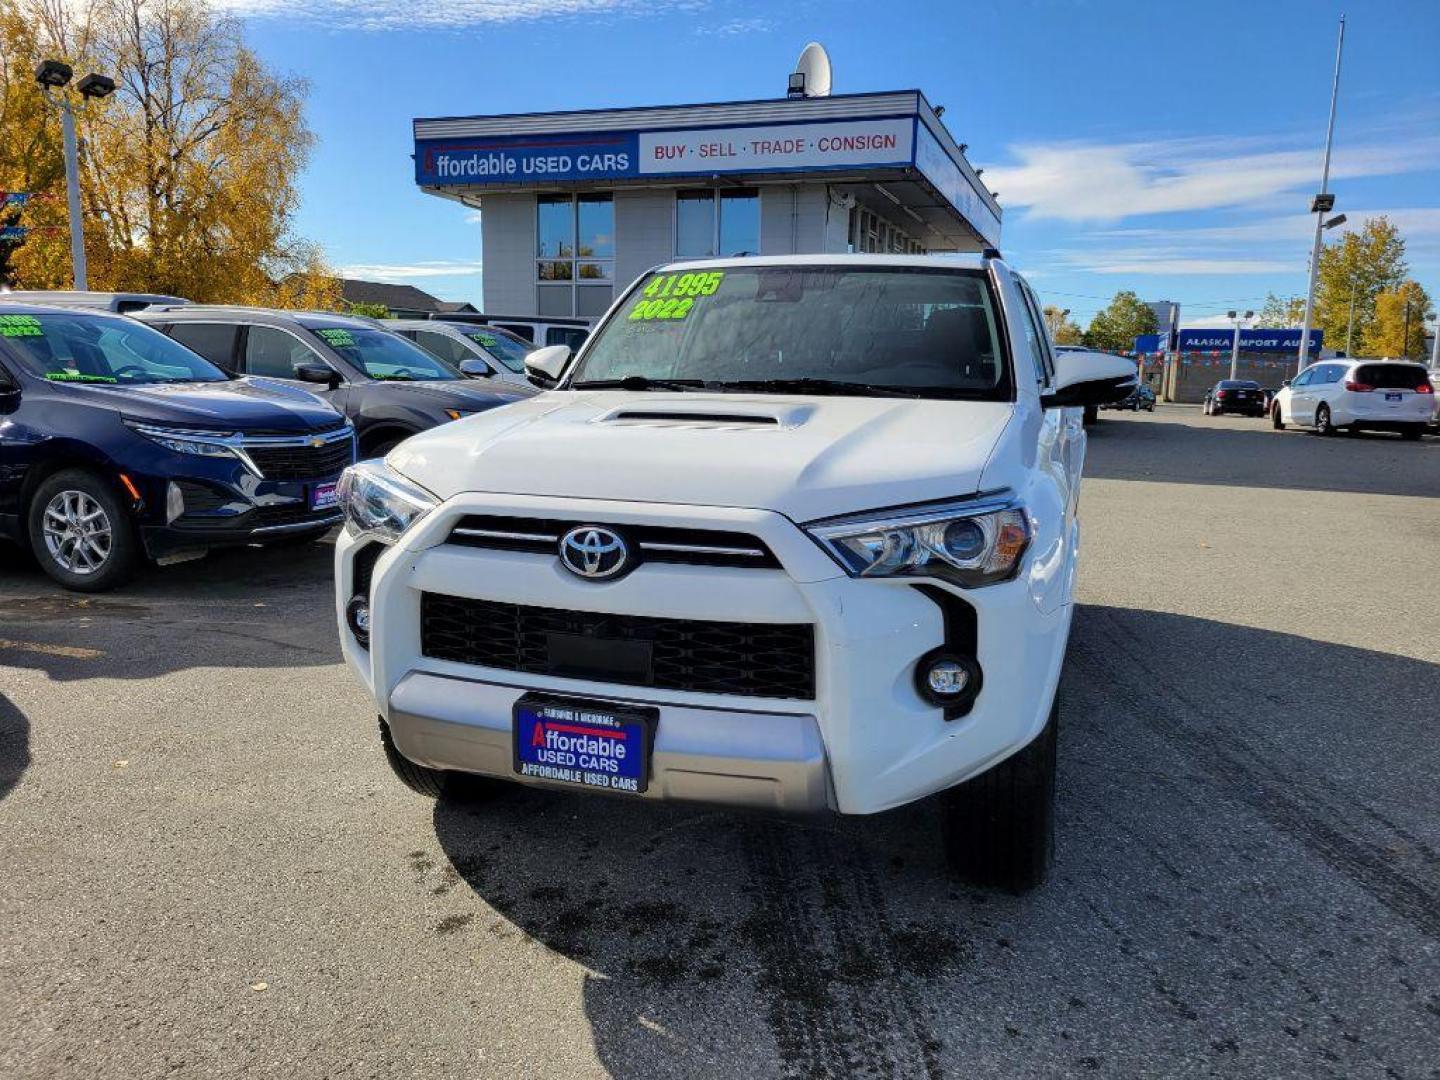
(1350, 326)
(1435, 348)
(1405, 334)
(1238, 320)
(1320, 206)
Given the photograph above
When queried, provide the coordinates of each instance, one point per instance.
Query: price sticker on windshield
(672, 296)
(339, 339)
(20, 326)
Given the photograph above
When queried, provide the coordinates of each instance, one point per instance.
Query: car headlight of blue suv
(203, 443)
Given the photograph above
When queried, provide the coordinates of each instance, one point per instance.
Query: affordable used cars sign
(702, 151)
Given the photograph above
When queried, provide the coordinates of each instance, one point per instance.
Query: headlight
(973, 545)
(203, 443)
(379, 502)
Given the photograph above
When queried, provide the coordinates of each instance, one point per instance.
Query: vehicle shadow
(245, 607)
(1177, 445)
(14, 745)
(1195, 821)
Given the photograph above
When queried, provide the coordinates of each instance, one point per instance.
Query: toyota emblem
(594, 552)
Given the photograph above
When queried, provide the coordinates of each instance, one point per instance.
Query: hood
(236, 405)
(805, 457)
(466, 394)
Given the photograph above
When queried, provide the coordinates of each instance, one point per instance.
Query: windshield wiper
(639, 382)
(820, 386)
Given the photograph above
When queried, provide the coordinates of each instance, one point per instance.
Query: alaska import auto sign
(836, 144)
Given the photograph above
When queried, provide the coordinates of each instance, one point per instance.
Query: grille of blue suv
(302, 462)
(774, 660)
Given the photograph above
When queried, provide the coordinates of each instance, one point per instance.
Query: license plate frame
(1395, 397)
(324, 496)
(577, 736)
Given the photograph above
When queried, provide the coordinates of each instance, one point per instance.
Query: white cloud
(393, 271)
(1089, 181)
(437, 14)
(737, 27)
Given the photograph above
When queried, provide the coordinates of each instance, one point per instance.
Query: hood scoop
(710, 415)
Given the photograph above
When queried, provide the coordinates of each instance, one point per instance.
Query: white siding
(644, 232)
(508, 249)
(798, 219)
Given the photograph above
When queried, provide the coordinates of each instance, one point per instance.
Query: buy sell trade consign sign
(838, 144)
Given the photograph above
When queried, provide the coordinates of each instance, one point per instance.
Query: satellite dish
(813, 68)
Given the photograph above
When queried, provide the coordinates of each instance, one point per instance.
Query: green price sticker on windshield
(20, 326)
(483, 339)
(671, 296)
(339, 339)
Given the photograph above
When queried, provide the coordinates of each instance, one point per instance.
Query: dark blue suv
(118, 444)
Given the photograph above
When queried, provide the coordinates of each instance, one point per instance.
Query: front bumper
(864, 742)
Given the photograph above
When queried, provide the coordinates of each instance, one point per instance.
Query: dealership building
(1197, 359)
(576, 205)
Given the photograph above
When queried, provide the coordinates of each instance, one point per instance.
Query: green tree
(1123, 320)
(1282, 313)
(1362, 265)
(1398, 326)
(188, 179)
(1062, 330)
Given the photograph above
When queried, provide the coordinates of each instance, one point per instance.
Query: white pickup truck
(795, 533)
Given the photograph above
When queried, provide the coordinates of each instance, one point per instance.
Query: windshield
(383, 355)
(505, 347)
(84, 347)
(839, 329)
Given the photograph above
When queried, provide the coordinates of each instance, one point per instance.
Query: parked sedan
(482, 352)
(1242, 396)
(390, 388)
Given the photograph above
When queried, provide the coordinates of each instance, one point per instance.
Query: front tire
(432, 783)
(999, 828)
(1323, 426)
(83, 536)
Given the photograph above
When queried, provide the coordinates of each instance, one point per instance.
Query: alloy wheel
(77, 532)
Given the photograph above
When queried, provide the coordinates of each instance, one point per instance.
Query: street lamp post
(1322, 204)
(53, 77)
(1238, 321)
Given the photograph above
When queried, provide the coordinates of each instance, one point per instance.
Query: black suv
(117, 443)
(390, 388)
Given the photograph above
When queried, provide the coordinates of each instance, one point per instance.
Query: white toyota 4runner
(794, 533)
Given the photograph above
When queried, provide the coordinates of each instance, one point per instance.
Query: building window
(574, 243)
(710, 222)
(872, 234)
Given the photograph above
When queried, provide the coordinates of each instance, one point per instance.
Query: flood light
(96, 86)
(53, 73)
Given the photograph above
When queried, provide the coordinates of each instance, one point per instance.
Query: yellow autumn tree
(188, 175)
(1398, 326)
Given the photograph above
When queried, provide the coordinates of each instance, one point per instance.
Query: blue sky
(1169, 148)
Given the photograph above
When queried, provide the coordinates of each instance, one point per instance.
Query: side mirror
(317, 373)
(9, 392)
(1284, 382)
(476, 369)
(545, 366)
(1091, 378)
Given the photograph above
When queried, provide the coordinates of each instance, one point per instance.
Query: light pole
(53, 75)
(1350, 326)
(1405, 334)
(1435, 348)
(1238, 321)
(1322, 204)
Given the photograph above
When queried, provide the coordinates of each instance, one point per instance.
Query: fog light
(357, 617)
(947, 679)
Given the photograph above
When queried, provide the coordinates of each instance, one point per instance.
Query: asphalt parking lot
(208, 870)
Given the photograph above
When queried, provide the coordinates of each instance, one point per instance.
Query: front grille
(649, 543)
(745, 659)
(302, 462)
(268, 517)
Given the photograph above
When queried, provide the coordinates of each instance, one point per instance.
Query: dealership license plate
(322, 497)
(1393, 397)
(585, 743)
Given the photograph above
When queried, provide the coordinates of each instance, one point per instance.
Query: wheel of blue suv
(81, 533)
(1000, 826)
(432, 783)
